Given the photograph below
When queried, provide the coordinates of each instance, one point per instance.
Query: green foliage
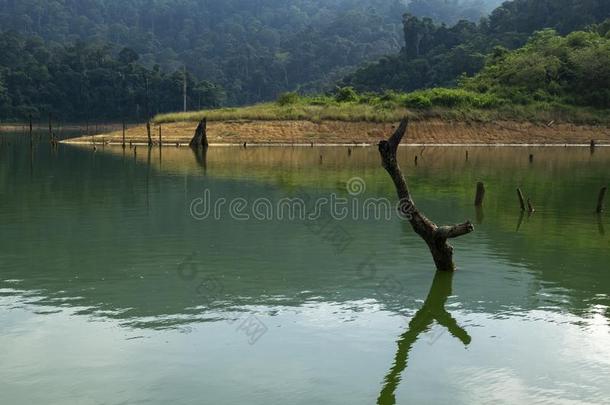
(254, 50)
(288, 98)
(346, 95)
(574, 69)
(453, 104)
(417, 100)
(89, 82)
(450, 98)
(437, 55)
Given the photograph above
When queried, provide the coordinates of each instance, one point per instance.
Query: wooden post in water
(531, 158)
(601, 199)
(467, 156)
(150, 141)
(415, 160)
(521, 199)
(160, 137)
(31, 133)
(478, 201)
(123, 144)
(50, 129)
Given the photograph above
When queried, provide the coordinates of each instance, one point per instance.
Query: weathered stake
(31, 133)
(435, 236)
(50, 129)
(600, 200)
(123, 134)
(478, 201)
(160, 137)
(150, 141)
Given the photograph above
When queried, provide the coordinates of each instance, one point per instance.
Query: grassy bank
(445, 104)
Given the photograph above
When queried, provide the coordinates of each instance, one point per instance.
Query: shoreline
(356, 145)
(340, 133)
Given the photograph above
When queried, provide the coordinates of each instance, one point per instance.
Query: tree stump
(201, 136)
(150, 141)
(435, 237)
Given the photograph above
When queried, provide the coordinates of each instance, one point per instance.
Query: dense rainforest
(90, 82)
(63, 55)
(111, 59)
(438, 55)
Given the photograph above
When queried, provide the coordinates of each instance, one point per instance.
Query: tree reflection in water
(433, 309)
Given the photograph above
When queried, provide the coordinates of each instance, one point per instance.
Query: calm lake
(118, 286)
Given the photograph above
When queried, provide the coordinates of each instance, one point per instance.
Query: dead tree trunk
(150, 141)
(435, 237)
(201, 135)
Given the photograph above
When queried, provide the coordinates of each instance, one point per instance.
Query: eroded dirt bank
(337, 132)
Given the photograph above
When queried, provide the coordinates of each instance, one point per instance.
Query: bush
(417, 100)
(450, 98)
(346, 95)
(289, 98)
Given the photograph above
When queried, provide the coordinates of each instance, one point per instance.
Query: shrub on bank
(450, 98)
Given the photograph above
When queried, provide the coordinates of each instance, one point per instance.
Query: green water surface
(111, 292)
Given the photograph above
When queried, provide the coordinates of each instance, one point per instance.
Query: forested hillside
(89, 82)
(252, 48)
(109, 59)
(437, 55)
(243, 51)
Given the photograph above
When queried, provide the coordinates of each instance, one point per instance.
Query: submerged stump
(201, 137)
(435, 236)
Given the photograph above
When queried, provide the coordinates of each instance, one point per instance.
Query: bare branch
(400, 132)
(454, 231)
